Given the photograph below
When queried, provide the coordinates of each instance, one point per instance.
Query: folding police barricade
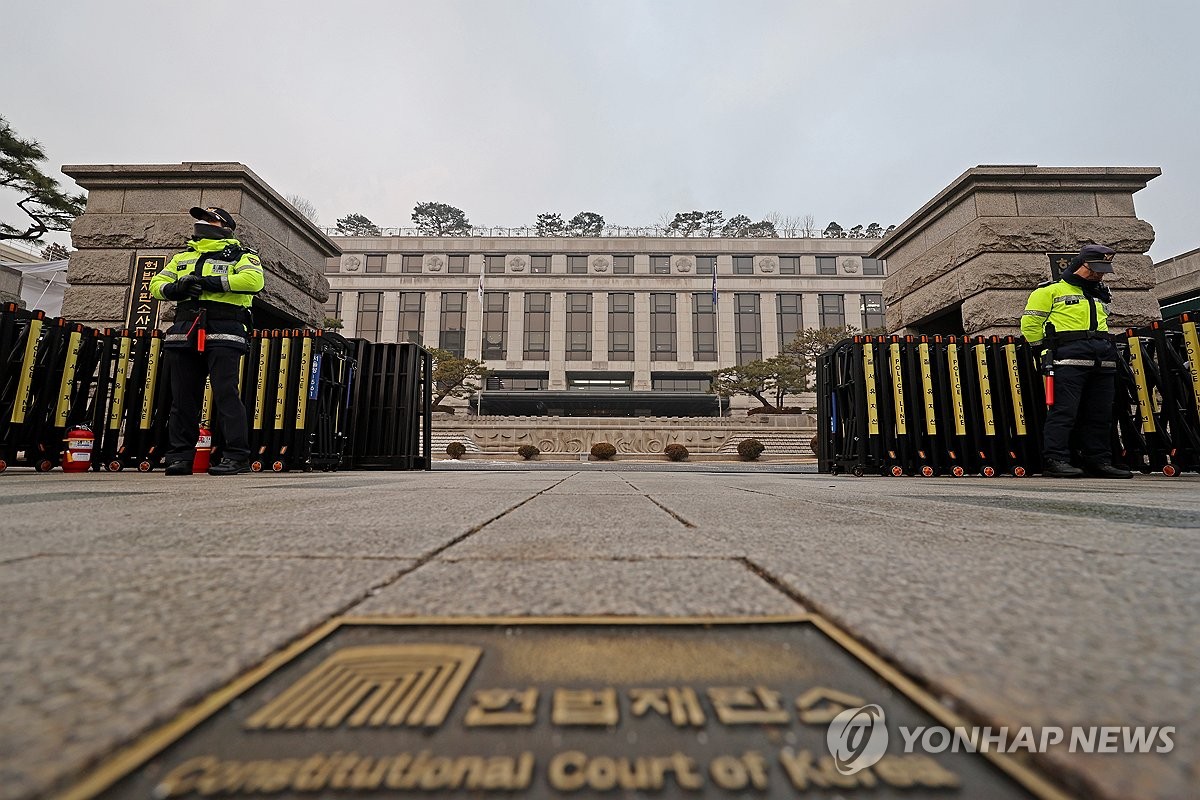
(947, 364)
(924, 418)
(22, 339)
(894, 417)
(291, 396)
(1176, 388)
(1145, 378)
(96, 413)
(861, 447)
(146, 406)
(1189, 332)
(324, 443)
(1012, 450)
(840, 438)
(75, 377)
(108, 450)
(1128, 440)
(981, 415)
(827, 419)
(262, 420)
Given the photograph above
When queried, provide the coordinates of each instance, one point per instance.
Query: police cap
(214, 216)
(1097, 257)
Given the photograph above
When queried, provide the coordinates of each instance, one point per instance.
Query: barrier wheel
(897, 472)
(277, 466)
(3, 465)
(1018, 472)
(114, 466)
(256, 466)
(1170, 470)
(145, 466)
(957, 471)
(927, 471)
(989, 472)
(859, 472)
(43, 465)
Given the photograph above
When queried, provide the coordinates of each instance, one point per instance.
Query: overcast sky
(849, 110)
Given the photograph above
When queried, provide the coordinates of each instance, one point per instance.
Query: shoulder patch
(253, 259)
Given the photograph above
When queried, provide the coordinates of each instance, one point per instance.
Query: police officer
(1083, 358)
(214, 282)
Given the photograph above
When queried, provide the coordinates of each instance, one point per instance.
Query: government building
(602, 326)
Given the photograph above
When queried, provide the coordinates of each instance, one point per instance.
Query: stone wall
(10, 285)
(981, 245)
(141, 210)
(1178, 277)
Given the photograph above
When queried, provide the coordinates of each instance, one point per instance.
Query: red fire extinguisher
(203, 451)
(78, 455)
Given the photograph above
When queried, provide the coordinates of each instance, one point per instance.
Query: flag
(714, 286)
(481, 287)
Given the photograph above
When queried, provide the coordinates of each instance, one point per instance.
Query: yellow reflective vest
(1066, 307)
(240, 270)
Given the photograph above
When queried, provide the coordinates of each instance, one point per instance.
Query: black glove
(183, 288)
(1046, 363)
(211, 283)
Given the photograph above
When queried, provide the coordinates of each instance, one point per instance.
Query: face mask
(203, 230)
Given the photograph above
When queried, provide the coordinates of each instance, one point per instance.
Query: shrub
(603, 451)
(750, 449)
(676, 452)
(456, 449)
(528, 451)
(814, 442)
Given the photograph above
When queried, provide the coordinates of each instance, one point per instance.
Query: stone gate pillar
(137, 216)
(967, 260)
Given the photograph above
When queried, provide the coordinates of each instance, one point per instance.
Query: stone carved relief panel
(351, 264)
(555, 440)
(434, 263)
(767, 264)
(684, 264)
(599, 264)
(849, 266)
(516, 264)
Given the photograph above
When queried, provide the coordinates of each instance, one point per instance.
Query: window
(706, 265)
(376, 262)
(660, 265)
(452, 334)
(833, 311)
(539, 265)
(704, 327)
(495, 325)
(743, 265)
(790, 320)
(577, 265)
(456, 264)
(872, 266)
(747, 328)
(872, 311)
(579, 326)
(622, 265)
(682, 382)
(333, 306)
(411, 264)
(620, 326)
(493, 265)
(827, 265)
(537, 325)
(517, 381)
(663, 346)
(789, 265)
(370, 310)
(412, 310)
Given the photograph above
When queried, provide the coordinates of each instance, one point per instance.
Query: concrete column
(515, 345)
(683, 328)
(558, 339)
(432, 321)
(969, 258)
(390, 320)
(726, 337)
(349, 314)
(768, 313)
(141, 211)
(810, 310)
(600, 326)
(641, 341)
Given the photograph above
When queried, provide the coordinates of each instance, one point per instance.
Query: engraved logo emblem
(373, 687)
(857, 738)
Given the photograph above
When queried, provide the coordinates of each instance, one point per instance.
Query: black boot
(1098, 470)
(180, 467)
(1054, 468)
(229, 466)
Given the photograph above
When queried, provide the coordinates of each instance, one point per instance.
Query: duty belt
(1078, 336)
(1084, 362)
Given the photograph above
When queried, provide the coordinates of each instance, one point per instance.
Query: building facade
(600, 326)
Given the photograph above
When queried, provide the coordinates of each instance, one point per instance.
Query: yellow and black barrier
(954, 405)
(307, 404)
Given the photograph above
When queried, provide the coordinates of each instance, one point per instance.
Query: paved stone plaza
(1020, 602)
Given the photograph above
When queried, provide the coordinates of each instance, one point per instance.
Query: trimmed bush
(603, 451)
(528, 451)
(813, 442)
(456, 450)
(750, 449)
(676, 452)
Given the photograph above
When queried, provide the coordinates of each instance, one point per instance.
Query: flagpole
(717, 333)
(482, 317)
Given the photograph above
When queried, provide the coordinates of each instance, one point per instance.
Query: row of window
(591, 381)
(578, 328)
(621, 265)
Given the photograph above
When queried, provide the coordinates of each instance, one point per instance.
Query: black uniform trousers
(1083, 403)
(188, 371)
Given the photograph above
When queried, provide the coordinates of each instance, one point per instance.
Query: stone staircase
(439, 440)
(776, 442)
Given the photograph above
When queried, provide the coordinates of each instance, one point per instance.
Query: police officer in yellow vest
(1083, 358)
(214, 282)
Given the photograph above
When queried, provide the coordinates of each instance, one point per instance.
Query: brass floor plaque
(553, 707)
